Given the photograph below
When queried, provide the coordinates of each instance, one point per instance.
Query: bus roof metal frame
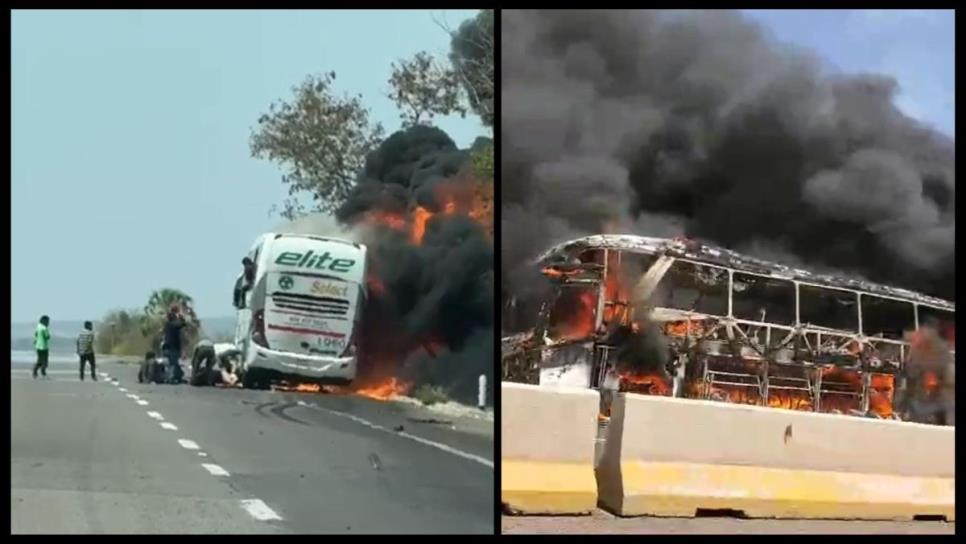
(717, 256)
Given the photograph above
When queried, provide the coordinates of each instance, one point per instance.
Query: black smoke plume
(431, 303)
(698, 124)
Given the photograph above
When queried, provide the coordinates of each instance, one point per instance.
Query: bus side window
(758, 298)
(693, 287)
(886, 317)
(828, 307)
(943, 319)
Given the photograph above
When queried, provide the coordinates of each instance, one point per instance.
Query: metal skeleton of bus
(773, 357)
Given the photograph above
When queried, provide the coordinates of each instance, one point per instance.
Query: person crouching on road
(42, 344)
(202, 363)
(172, 344)
(85, 349)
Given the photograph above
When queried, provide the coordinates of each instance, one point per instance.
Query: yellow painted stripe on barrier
(679, 489)
(538, 487)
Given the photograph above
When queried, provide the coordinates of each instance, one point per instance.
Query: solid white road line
(49, 371)
(156, 415)
(259, 510)
(169, 426)
(188, 444)
(443, 447)
(215, 470)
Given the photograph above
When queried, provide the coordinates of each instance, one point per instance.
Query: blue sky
(917, 47)
(130, 158)
(130, 162)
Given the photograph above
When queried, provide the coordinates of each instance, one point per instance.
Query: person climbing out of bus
(245, 282)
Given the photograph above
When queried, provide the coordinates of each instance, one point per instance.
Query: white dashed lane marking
(215, 470)
(256, 508)
(259, 510)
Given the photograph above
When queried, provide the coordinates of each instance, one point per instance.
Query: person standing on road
(85, 349)
(42, 344)
(172, 343)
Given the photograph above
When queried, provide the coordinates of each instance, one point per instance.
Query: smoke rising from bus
(430, 314)
(698, 124)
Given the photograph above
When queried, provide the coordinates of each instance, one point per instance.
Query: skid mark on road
(438, 445)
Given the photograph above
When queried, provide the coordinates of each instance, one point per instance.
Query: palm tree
(156, 311)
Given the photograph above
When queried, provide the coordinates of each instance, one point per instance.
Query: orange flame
(308, 388)
(652, 384)
(553, 272)
(391, 220)
(420, 217)
(881, 395)
(579, 324)
(930, 381)
(790, 400)
(386, 389)
(375, 285)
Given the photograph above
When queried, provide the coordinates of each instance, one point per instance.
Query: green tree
(471, 53)
(121, 332)
(156, 311)
(423, 88)
(483, 161)
(320, 139)
(110, 330)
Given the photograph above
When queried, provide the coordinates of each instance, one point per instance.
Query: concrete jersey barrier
(547, 457)
(674, 457)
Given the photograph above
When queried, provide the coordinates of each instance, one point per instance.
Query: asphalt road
(130, 458)
(603, 523)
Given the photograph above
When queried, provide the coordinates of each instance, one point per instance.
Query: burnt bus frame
(798, 332)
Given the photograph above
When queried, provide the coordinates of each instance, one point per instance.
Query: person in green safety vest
(42, 344)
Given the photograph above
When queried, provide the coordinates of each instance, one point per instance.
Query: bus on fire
(681, 318)
(299, 301)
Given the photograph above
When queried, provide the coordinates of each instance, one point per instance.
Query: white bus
(299, 303)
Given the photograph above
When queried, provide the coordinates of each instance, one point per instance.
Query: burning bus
(681, 318)
(299, 303)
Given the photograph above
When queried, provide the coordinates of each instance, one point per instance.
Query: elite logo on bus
(318, 262)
